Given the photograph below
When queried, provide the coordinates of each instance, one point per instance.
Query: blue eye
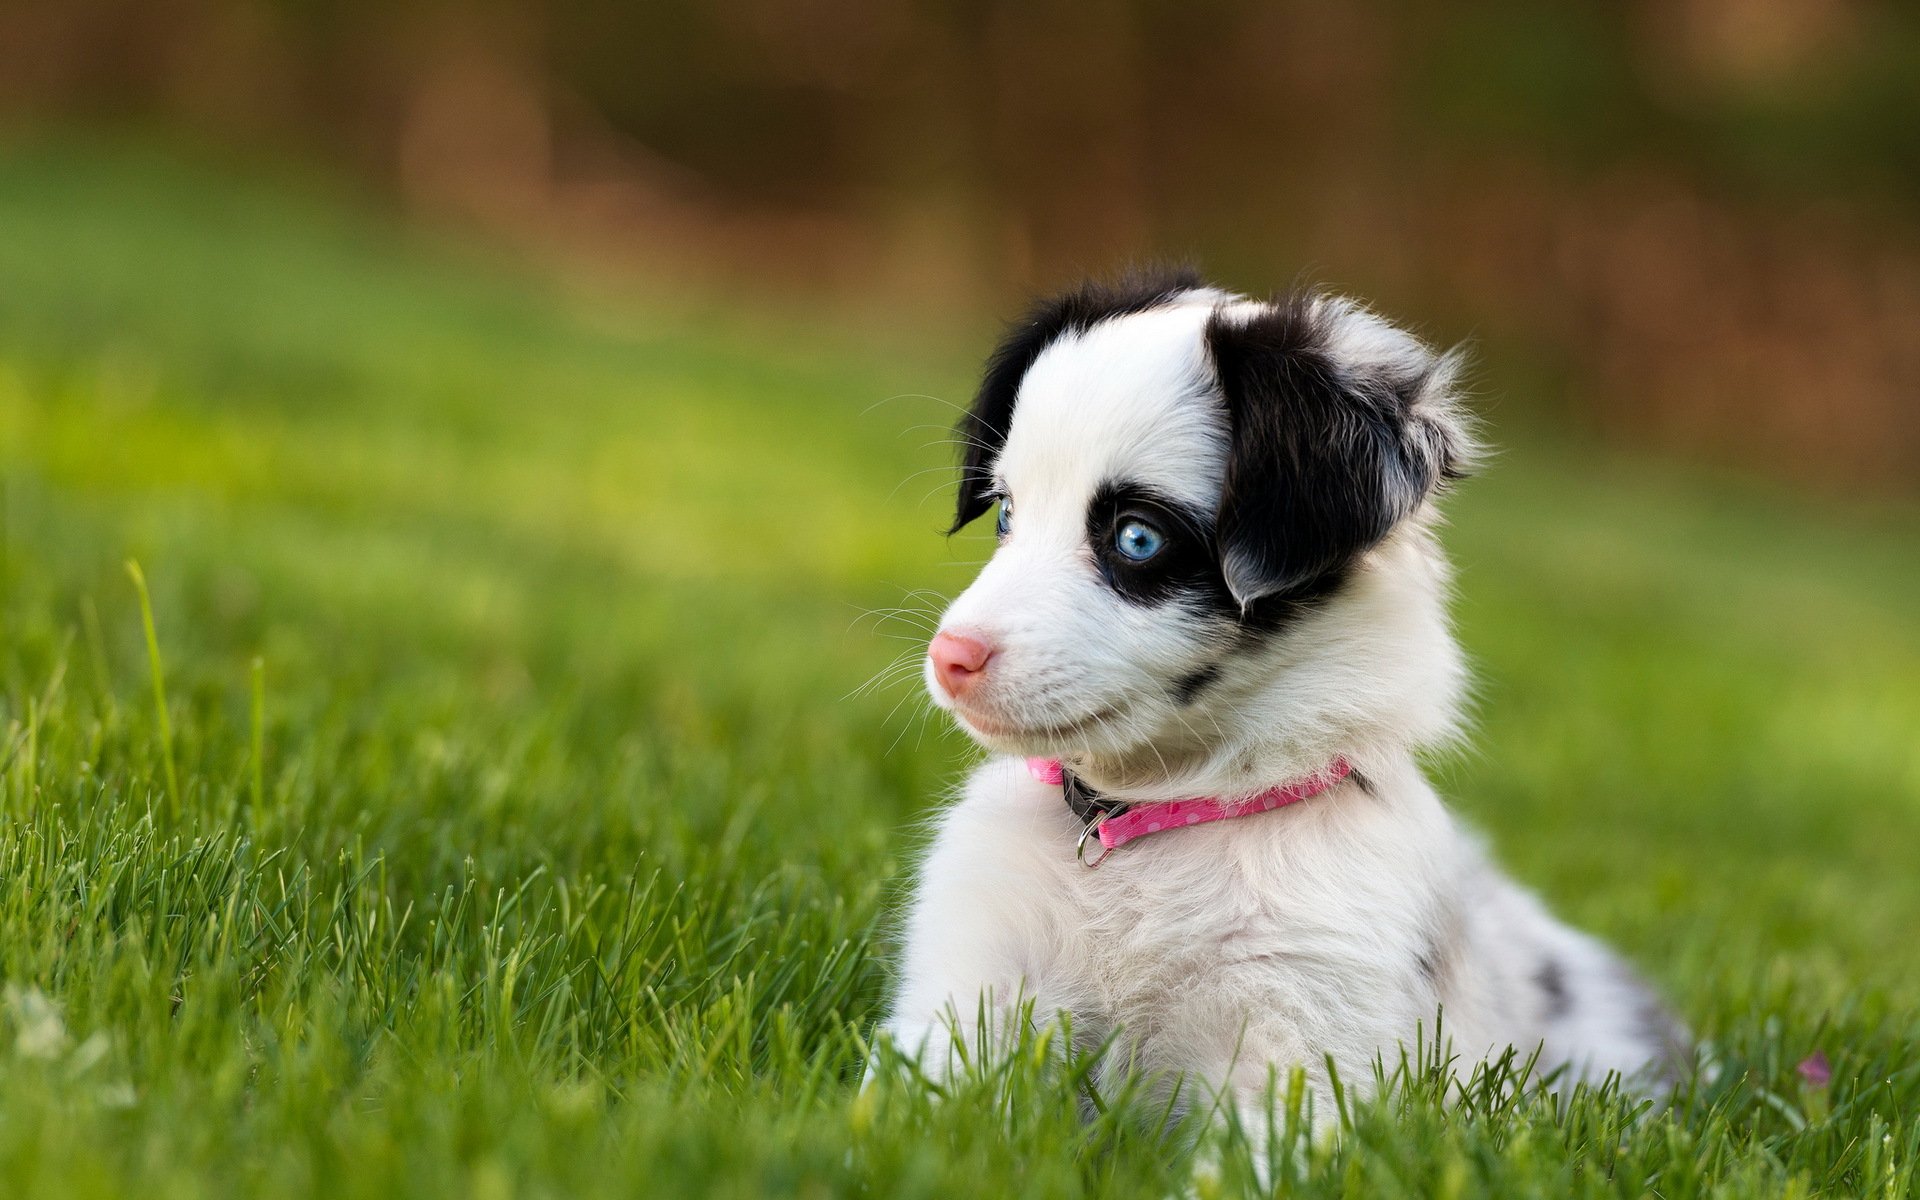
(1138, 541)
(1004, 525)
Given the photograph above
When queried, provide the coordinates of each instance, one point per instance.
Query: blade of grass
(163, 721)
(257, 721)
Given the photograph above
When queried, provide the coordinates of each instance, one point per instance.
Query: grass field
(512, 822)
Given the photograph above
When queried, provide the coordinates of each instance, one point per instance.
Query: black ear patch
(1327, 454)
(983, 431)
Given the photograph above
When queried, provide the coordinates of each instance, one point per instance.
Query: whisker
(886, 400)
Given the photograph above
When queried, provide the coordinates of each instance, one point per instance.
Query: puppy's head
(1183, 481)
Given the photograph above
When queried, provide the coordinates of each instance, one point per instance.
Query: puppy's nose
(958, 662)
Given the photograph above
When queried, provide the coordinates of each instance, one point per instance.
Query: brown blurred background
(1690, 224)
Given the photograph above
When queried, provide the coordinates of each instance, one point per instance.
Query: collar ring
(1080, 847)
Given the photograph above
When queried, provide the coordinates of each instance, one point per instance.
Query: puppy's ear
(983, 431)
(1341, 426)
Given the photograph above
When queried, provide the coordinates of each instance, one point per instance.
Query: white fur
(1336, 927)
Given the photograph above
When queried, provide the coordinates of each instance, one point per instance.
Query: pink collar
(1119, 824)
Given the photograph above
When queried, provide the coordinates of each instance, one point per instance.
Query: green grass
(495, 811)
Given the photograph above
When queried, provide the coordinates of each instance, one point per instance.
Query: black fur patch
(1657, 1026)
(1551, 979)
(1436, 963)
(983, 431)
(1189, 686)
(1324, 459)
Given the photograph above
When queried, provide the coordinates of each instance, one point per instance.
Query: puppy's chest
(1149, 925)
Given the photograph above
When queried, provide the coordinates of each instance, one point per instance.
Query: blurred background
(1692, 225)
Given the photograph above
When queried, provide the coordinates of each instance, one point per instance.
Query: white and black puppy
(1218, 584)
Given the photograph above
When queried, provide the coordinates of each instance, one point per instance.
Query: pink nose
(958, 662)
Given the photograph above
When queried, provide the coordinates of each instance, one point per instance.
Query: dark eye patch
(1188, 571)
(1185, 568)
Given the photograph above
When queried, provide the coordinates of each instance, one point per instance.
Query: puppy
(1211, 640)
